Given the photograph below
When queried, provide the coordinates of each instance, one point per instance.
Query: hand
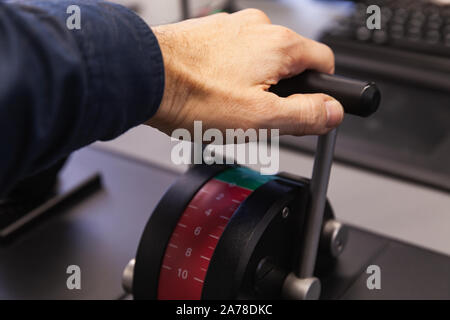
(218, 70)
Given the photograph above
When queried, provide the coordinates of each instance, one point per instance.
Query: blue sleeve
(63, 89)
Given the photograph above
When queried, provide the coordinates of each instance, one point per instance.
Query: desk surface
(100, 234)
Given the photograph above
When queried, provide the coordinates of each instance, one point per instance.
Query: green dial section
(244, 177)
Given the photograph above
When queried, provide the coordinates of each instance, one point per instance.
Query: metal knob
(127, 276)
(334, 238)
(295, 288)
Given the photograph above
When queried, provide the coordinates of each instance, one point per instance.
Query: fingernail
(334, 113)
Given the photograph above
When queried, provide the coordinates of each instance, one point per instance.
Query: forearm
(62, 89)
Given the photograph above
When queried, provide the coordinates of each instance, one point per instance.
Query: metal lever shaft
(318, 190)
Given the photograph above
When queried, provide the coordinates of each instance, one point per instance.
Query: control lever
(358, 98)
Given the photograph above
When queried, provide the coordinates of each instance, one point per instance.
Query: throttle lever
(358, 98)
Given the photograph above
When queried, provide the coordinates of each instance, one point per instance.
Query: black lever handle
(358, 97)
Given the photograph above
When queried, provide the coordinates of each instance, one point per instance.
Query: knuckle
(314, 114)
(305, 114)
(264, 116)
(221, 14)
(290, 45)
(287, 57)
(330, 58)
(285, 33)
(257, 14)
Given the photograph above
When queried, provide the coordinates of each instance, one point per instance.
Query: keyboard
(415, 25)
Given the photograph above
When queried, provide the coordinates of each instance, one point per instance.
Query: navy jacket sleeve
(62, 89)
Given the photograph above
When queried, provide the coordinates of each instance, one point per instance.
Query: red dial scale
(198, 231)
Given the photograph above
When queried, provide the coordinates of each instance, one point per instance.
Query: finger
(300, 53)
(308, 114)
(316, 56)
(252, 16)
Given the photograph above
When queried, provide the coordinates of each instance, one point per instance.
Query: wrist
(176, 87)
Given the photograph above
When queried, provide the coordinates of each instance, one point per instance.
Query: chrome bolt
(127, 276)
(285, 212)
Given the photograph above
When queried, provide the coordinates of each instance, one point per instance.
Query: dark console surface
(407, 272)
(101, 234)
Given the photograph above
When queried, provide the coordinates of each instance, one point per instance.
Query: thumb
(308, 114)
